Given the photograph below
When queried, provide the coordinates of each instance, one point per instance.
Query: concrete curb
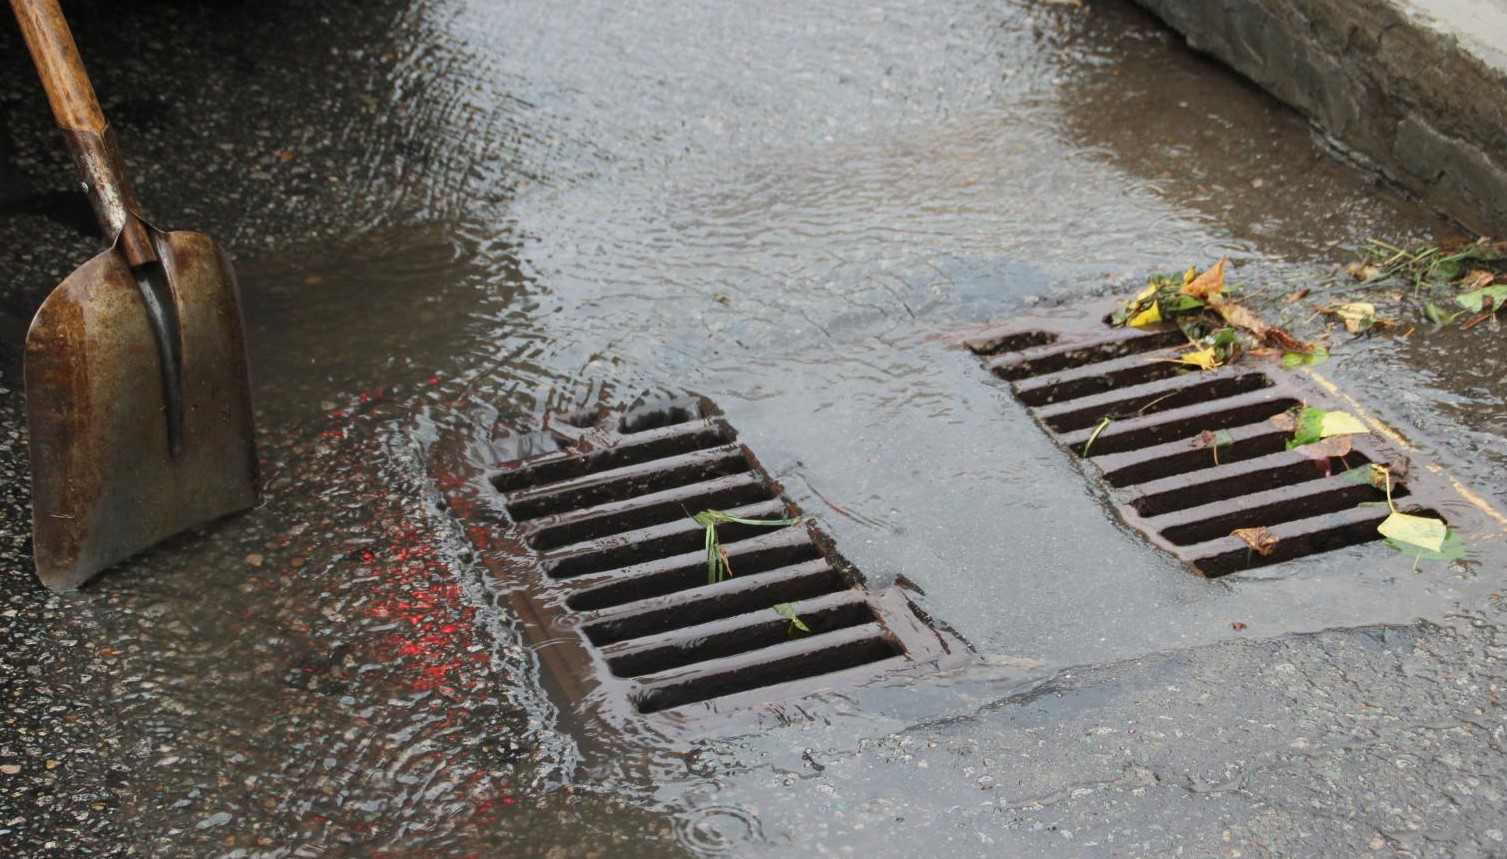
(1416, 88)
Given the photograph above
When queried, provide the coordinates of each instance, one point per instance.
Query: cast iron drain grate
(585, 525)
(1165, 478)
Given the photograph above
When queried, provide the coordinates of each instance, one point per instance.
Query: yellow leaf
(1150, 316)
(1357, 315)
(1418, 531)
(1146, 293)
(1340, 423)
(1209, 283)
(1203, 358)
(1258, 538)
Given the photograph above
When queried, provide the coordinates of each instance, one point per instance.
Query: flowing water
(448, 214)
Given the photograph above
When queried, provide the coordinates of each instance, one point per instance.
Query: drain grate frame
(583, 529)
(1071, 369)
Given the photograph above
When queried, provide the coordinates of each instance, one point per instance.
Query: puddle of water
(776, 208)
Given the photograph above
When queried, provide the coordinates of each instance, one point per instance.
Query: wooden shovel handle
(78, 114)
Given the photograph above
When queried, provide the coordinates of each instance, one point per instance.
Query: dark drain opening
(734, 635)
(1148, 399)
(735, 596)
(1013, 342)
(1181, 424)
(1190, 454)
(1332, 494)
(1283, 469)
(821, 654)
(1096, 379)
(616, 484)
(1295, 540)
(658, 541)
(563, 465)
(656, 508)
(1048, 359)
(758, 554)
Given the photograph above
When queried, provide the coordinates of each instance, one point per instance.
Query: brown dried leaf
(1209, 283)
(1279, 338)
(1241, 316)
(1286, 421)
(1258, 538)
(1297, 295)
(1477, 279)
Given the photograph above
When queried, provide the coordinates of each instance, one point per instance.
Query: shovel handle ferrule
(78, 114)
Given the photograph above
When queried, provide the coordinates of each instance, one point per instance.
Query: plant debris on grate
(1193, 458)
(585, 524)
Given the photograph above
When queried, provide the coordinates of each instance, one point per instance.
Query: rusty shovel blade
(106, 482)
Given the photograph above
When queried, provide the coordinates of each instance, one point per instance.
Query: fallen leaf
(1279, 338)
(1340, 423)
(1475, 300)
(1286, 421)
(1419, 531)
(1209, 283)
(1363, 271)
(255, 559)
(1238, 626)
(1477, 279)
(1357, 315)
(1297, 295)
(1205, 359)
(1150, 316)
(1241, 316)
(1297, 359)
(1259, 538)
(787, 611)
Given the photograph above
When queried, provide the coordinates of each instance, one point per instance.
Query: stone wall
(1418, 89)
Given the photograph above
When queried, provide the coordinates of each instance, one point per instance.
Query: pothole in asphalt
(586, 526)
(1200, 461)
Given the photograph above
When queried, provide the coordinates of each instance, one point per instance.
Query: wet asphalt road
(445, 214)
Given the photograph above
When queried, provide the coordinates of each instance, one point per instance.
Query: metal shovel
(137, 395)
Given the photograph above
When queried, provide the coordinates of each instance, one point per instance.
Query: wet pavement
(450, 214)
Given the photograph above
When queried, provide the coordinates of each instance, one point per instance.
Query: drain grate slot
(781, 548)
(1184, 424)
(792, 660)
(656, 508)
(1296, 539)
(1091, 379)
(1151, 398)
(1244, 478)
(1063, 356)
(658, 541)
(1188, 455)
(734, 635)
(563, 465)
(713, 602)
(617, 483)
(588, 525)
(1329, 495)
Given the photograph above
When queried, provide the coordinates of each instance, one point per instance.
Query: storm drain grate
(586, 524)
(1191, 456)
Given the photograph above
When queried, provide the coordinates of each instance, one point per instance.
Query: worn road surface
(446, 213)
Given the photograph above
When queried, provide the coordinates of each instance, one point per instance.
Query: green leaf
(787, 611)
(1299, 359)
(1420, 531)
(1309, 422)
(1453, 548)
(1180, 304)
(1475, 300)
(1093, 436)
(1316, 424)
(1438, 315)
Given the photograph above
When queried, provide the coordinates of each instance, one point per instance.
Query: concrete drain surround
(585, 525)
(1072, 370)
